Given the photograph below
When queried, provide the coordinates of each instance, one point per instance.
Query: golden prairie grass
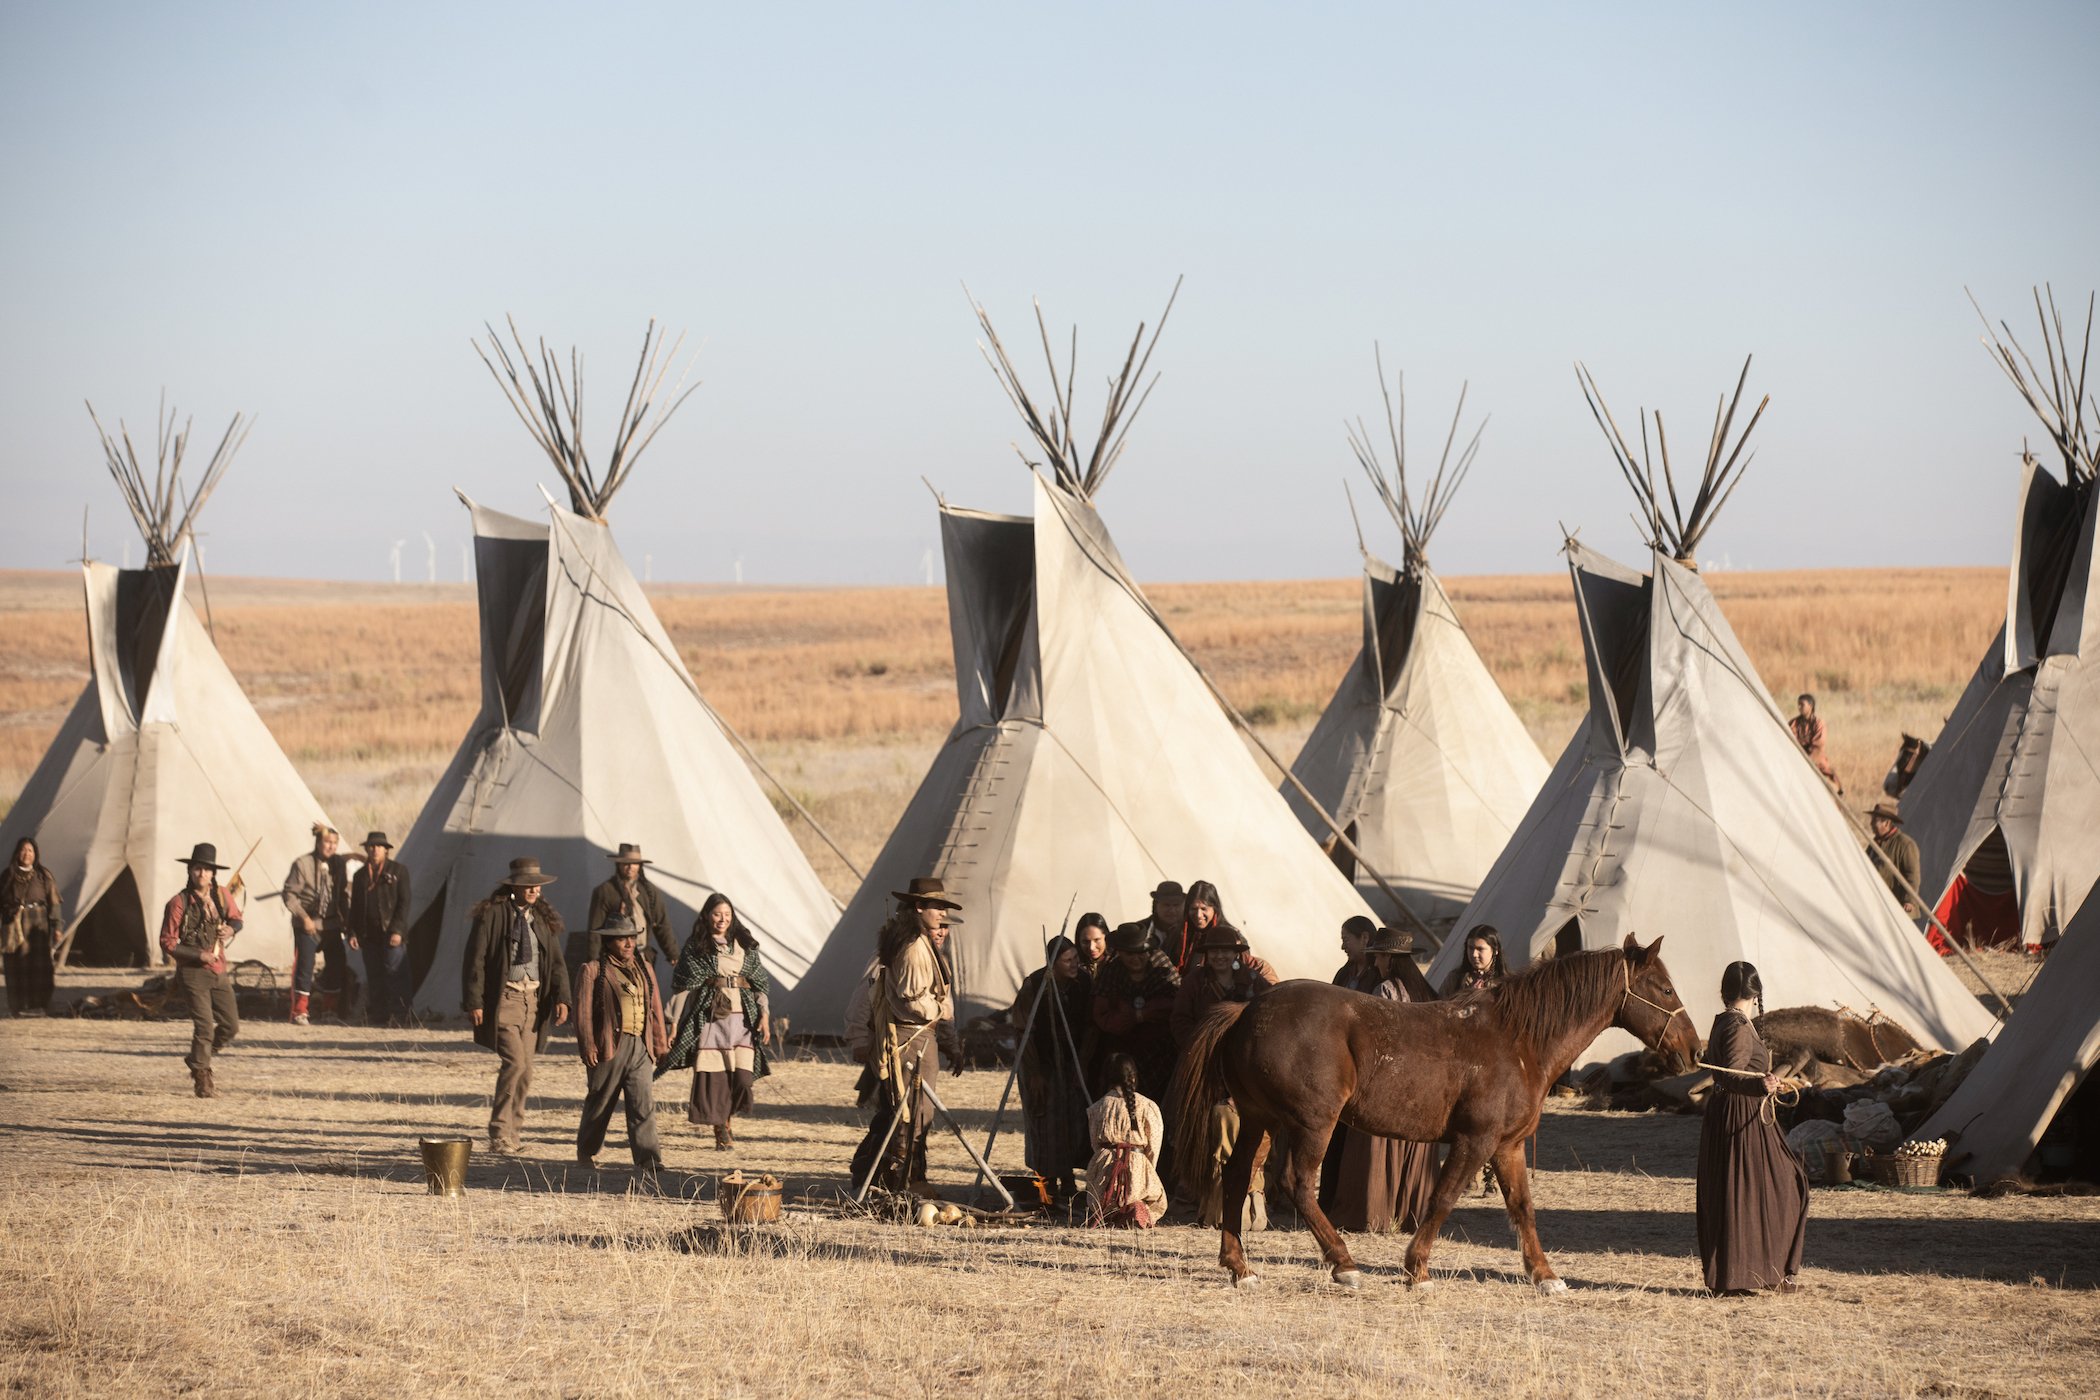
(279, 1240)
(846, 692)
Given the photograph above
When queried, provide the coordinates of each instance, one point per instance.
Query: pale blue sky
(306, 211)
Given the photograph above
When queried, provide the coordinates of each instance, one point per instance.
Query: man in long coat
(628, 892)
(1134, 996)
(910, 1001)
(513, 986)
(378, 926)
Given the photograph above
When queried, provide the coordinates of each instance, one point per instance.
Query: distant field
(847, 692)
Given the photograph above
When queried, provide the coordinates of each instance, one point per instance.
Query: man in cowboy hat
(1897, 854)
(911, 1000)
(378, 925)
(514, 986)
(628, 892)
(620, 1034)
(1134, 1007)
(1226, 970)
(1167, 928)
(194, 930)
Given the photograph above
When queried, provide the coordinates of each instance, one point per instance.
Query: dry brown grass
(278, 1240)
(846, 692)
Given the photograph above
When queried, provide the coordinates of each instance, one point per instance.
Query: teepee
(2014, 776)
(591, 730)
(1091, 759)
(1997, 1117)
(1418, 755)
(1682, 806)
(162, 750)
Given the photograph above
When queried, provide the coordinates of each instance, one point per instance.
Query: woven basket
(748, 1202)
(1901, 1171)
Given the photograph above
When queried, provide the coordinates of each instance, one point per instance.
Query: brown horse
(1471, 1072)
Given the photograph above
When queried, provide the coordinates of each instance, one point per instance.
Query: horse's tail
(1199, 1082)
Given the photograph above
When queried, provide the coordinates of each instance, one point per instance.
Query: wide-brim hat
(1887, 810)
(630, 854)
(1169, 889)
(1131, 938)
(377, 838)
(1391, 940)
(1221, 936)
(204, 853)
(525, 870)
(618, 926)
(927, 892)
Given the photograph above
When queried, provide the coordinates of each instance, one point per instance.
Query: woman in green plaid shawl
(718, 996)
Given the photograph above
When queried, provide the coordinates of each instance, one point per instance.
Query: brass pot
(445, 1164)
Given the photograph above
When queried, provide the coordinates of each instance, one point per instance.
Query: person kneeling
(620, 1034)
(1122, 1178)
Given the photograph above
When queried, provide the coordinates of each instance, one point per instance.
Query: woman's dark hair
(36, 854)
(1120, 1074)
(1204, 892)
(897, 934)
(1360, 926)
(1739, 980)
(738, 934)
(1090, 920)
(1486, 933)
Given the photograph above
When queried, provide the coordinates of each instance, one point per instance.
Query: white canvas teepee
(2019, 758)
(1997, 1117)
(1683, 808)
(162, 750)
(1418, 754)
(592, 732)
(1090, 761)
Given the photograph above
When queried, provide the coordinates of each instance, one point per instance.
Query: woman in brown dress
(1753, 1193)
(29, 920)
(1385, 1183)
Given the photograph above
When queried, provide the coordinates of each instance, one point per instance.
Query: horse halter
(1669, 1012)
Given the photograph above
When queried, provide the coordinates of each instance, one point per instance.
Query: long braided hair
(1120, 1075)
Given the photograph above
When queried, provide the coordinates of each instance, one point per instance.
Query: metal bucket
(445, 1164)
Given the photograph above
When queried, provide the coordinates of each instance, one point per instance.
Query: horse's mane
(1539, 1002)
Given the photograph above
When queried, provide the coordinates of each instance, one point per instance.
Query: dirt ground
(280, 1240)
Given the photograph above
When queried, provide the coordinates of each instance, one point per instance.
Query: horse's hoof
(1349, 1278)
(1551, 1287)
(1420, 1285)
(1247, 1281)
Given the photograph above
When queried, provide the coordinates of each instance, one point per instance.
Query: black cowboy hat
(630, 854)
(1219, 936)
(203, 853)
(377, 838)
(1131, 938)
(1169, 889)
(927, 892)
(525, 870)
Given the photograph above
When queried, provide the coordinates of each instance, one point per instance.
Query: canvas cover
(1995, 1119)
(1089, 762)
(1418, 754)
(2021, 752)
(591, 733)
(161, 751)
(1682, 807)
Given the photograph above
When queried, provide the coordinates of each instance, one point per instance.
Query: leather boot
(724, 1139)
(201, 1080)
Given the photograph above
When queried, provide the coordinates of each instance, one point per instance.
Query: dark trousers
(386, 980)
(214, 1019)
(29, 974)
(622, 1076)
(905, 1159)
(305, 948)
